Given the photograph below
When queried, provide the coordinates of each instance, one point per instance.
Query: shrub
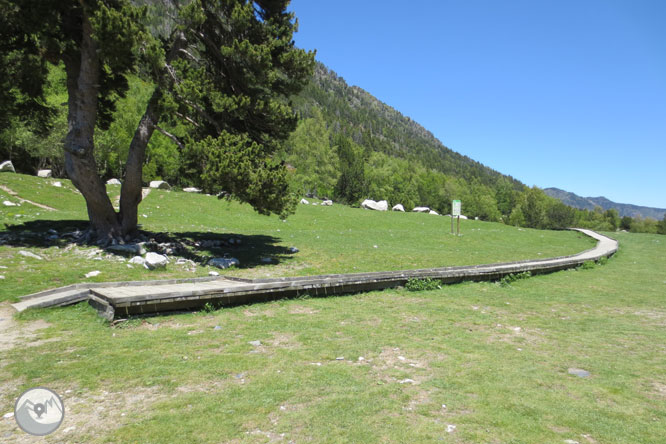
(415, 284)
(509, 278)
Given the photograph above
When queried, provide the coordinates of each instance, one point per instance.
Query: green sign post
(456, 206)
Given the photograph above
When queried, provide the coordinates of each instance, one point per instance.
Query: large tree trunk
(82, 86)
(130, 193)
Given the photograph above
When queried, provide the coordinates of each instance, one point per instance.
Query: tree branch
(170, 136)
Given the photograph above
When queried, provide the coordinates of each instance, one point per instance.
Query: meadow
(466, 363)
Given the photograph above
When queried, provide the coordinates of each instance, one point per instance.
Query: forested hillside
(347, 146)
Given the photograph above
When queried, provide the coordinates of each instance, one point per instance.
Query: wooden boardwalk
(130, 298)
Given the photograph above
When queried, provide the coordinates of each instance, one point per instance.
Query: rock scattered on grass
(398, 207)
(137, 260)
(160, 185)
(57, 184)
(213, 273)
(154, 261)
(327, 203)
(255, 343)
(8, 203)
(370, 204)
(421, 210)
(450, 428)
(224, 262)
(113, 182)
(7, 167)
(44, 173)
(127, 249)
(579, 372)
(305, 202)
(93, 274)
(29, 254)
(293, 250)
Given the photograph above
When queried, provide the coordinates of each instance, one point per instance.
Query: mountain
(588, 203)
(381, 128)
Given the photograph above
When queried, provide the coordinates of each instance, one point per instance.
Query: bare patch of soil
(301, 309)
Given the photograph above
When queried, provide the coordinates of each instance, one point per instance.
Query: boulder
(305, 202)
(463, 216)
(154, 260)
(192, 190)
(433, 212)
(421, 210)
(57, 184)
(7, 167)
(398, 207)
(327, 203)
(44, 173)
(137, 260)
(160, 185)
(224, 262)
(113, 182)
(127, 249)
(370, 204)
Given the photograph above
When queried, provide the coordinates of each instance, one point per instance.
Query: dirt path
(20, 199)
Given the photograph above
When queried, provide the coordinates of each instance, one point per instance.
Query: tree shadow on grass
(250, 250)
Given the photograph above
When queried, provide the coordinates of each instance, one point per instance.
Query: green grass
(335, 239)
(496, 356)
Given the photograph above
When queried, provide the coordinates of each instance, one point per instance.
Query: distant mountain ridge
(588, 203)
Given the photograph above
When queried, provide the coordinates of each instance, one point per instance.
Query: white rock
(463, 216)
(450, 428)
(44, 173)
(154, 260)
(293, 250)
(113, 182)
(398, 207)
(305, 202)
(370, 204)
(407, 381)
(9, 204)
(92, 274)
(224, 262)
(160, 184)
(7, 167)
(57, 184)
(255, 343)
(8, 415)
(137, 260)
(433, 212)
(192, 190)
(421, 210)
(327, 203)
(213, 273)
(29, 254)
(1, 277)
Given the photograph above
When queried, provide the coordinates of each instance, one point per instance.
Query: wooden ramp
(130, 298)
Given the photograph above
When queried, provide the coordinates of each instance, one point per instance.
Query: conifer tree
(225, 67)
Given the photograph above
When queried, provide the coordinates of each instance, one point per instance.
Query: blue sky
(570, 94)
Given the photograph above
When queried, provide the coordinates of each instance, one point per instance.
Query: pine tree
(225, 68)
